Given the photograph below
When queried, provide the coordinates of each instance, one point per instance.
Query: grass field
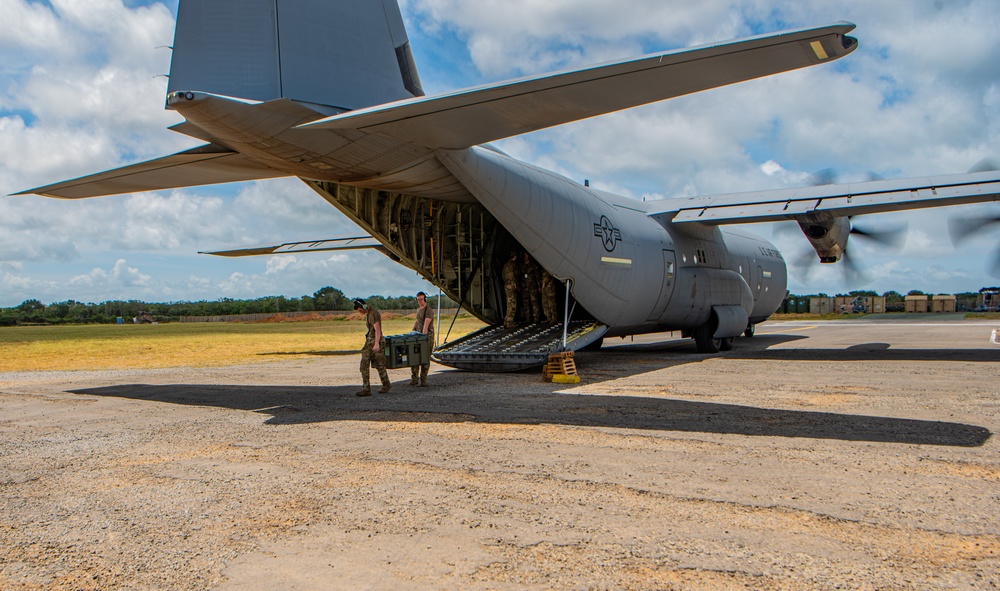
(146, 346)
(103, 346)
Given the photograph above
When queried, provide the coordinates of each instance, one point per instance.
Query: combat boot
(413, 381)
(385, 388)
(363, 392)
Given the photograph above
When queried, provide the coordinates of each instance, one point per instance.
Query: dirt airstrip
(834, 455)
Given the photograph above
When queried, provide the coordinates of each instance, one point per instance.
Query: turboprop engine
(828, 236)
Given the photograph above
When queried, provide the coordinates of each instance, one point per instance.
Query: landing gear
(704, 339)
(726, 344)
(751, 328)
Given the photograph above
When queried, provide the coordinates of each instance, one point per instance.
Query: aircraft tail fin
(345, 54)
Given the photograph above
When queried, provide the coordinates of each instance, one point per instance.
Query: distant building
(915, 304)
(820, 305)
(989, 299)
(943, 303)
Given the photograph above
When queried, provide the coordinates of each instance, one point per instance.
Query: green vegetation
(73, 312)
(809, 316)
(982, 316)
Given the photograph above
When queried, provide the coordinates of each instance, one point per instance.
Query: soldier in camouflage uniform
(510, 272)
(549, 297)
(373, 353)
(424, 324)
(532, 309)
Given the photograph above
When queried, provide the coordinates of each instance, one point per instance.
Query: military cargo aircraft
(328, 91)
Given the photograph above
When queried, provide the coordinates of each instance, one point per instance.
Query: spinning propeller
(805, 264)
(832, 238)
(965, 226)
(892, 237)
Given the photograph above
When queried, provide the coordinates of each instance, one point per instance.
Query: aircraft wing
(833, 200)
(479, 115)
(204, 165)
(345, 243)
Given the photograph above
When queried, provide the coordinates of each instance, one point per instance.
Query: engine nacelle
(828, 236)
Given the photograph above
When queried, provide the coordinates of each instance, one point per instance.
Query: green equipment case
(407, 350)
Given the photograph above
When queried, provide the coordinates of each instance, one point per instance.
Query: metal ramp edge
(499, 349)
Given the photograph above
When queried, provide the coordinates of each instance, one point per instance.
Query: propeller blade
(803, 265)
(994, 270)
(894, 237)
(853, 274)
(962, 227)
(985, 165)
(827, 176)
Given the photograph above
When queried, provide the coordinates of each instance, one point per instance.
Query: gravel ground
(837, 455)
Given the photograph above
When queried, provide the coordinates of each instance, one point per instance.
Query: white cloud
(120, 275)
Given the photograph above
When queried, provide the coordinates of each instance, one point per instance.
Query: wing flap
(834, 200)
(204, 165)
(479, 115)
(329, 244)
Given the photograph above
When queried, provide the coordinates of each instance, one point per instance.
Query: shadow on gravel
(760, 347)
(521, 398)
(880, 352)
(506, 399)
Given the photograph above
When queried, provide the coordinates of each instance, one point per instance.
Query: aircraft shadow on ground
(521, 397)
(683, 351)
(507, 403)
(762, 347)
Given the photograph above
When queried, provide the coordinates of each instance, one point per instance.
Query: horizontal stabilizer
(204, 165)
(348, 243)
(834, 200)
(479, 115)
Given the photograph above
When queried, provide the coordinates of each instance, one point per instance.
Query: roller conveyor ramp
(499, 349)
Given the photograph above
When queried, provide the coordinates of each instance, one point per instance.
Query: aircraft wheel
(705, 341)
(726, 344)
(751, 328)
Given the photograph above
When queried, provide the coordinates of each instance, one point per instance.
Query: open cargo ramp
(499, 349)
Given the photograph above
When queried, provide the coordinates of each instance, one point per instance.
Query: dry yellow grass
(84, 347)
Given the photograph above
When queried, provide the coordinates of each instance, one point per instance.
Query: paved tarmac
(852, 454)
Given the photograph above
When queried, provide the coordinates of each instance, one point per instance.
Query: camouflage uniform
(510, 271)
(418, 326)
(532, 309)
(549, 297)
(371, 357)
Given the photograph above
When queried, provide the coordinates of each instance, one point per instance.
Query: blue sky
(81, 90)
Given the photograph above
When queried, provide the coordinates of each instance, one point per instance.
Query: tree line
(325, 299)
(73, 312)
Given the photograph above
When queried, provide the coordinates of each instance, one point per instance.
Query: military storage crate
(407, 350)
